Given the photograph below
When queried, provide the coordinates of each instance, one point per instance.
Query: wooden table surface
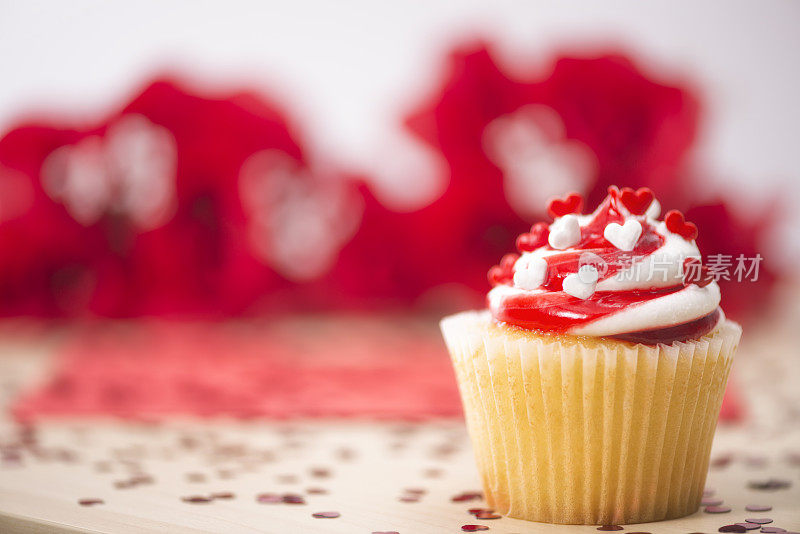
(378, 476)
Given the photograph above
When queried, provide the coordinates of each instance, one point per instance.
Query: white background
(347, 70)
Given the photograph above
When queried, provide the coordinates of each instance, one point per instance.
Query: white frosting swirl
(663, 268)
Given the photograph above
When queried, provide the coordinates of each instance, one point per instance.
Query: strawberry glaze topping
(615, 272)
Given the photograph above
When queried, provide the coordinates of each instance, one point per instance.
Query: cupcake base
(575, 430)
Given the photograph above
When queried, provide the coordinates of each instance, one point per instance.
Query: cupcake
(593, 382)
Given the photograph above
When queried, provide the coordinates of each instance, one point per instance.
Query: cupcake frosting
(619, 271)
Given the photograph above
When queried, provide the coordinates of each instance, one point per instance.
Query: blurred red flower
(176, 204)
(582, 124)
(181, 204)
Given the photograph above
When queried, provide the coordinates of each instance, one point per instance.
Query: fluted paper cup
(577, 430)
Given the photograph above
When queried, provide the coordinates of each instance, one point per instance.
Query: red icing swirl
(550, 308)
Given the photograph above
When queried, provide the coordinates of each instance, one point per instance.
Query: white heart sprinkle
(582, 283)
(624, 236)
(564, 232)
(531, 273)
(654, 210)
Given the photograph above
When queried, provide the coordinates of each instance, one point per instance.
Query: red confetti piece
(291, 498)
(770, 484)
(758, 508)
(473, 528)
(197, 499)
(326, 515)
(320, 472)
(467, 496)
(90, 502)
(474, 511)
(717, 509)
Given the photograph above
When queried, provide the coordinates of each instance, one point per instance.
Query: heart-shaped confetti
(717, 509)
(732, 528)
(532, 274)
(473, 528)
(558, 207)
(623, 236)
(326, 515)
(637, 201)
(748, 526)
(564, 232)
(467, 496)
(291, 498)
(677, 225)
(582, 283)
(197, 499)
(758, 508)
(760, 520)
(534, 239)
(771, 484)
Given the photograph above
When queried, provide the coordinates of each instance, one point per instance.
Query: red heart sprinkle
(503, 273)
(677, 225)
(637, 201)
(496, 276)
(534, 239)
(559, 207)
(508, 260)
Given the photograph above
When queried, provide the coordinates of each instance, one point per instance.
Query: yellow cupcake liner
(578, 430)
